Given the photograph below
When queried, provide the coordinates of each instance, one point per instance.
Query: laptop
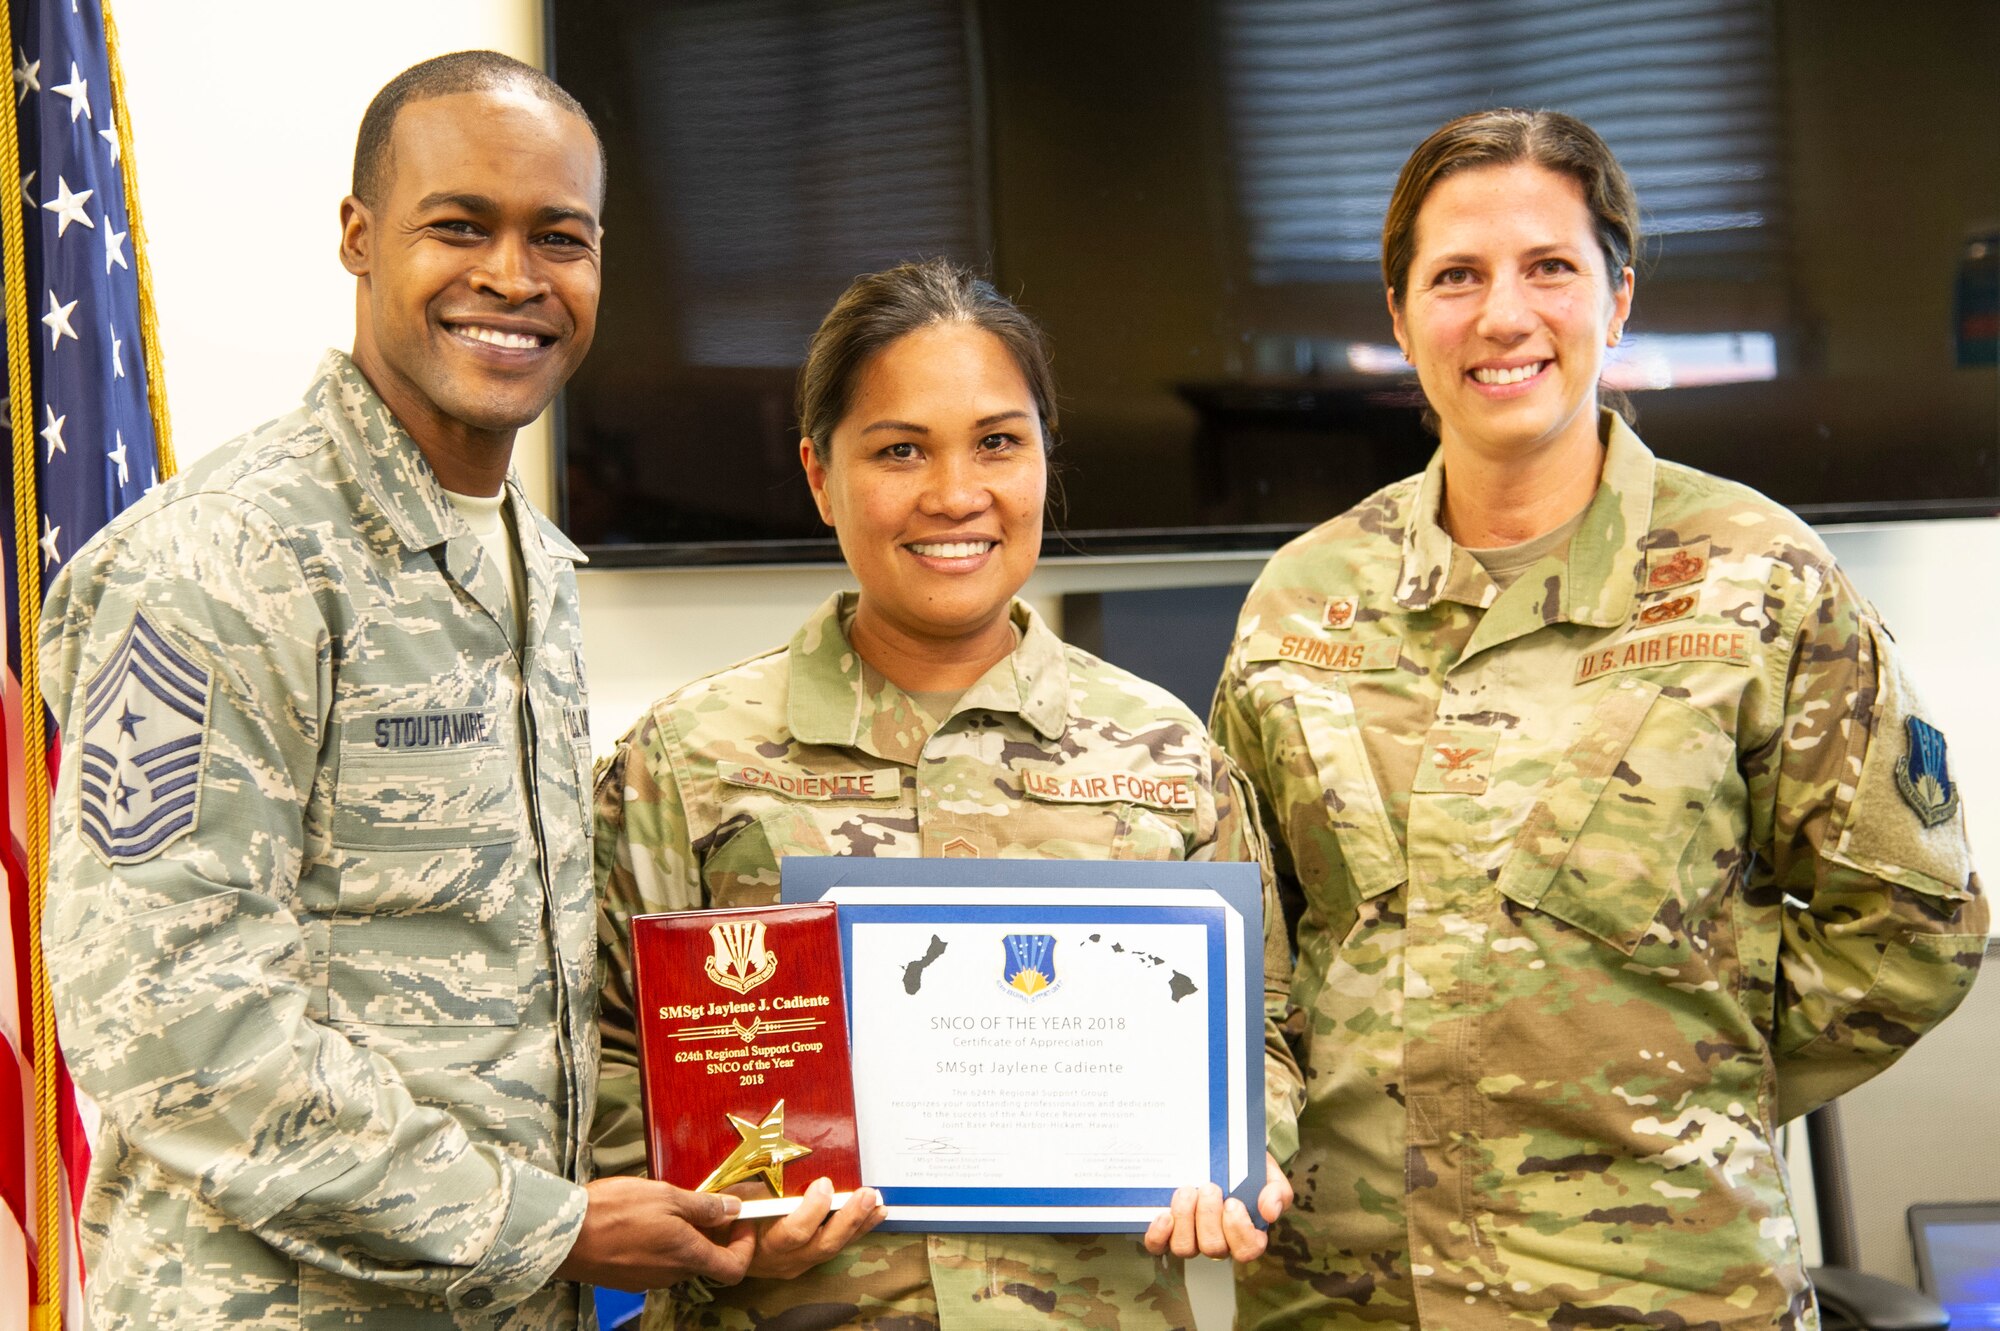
(1958, 1259)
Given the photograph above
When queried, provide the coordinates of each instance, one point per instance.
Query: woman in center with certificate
(934, 698)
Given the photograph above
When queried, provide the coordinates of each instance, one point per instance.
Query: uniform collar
(1605, 556)
(1601, 574)
(831, 702)
(382, 456)
(394, 471)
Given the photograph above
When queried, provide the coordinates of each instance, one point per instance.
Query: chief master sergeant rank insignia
(144, 741)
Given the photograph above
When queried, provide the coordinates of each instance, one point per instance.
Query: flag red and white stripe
(87, 421)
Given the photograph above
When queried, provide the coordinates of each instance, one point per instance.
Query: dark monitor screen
(1188, 194)
(1958, 1260)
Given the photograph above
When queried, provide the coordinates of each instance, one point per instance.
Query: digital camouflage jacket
(1596, 881)
(320, 928)
(713, 787)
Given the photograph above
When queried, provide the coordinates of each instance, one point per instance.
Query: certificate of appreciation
(1049, 1045)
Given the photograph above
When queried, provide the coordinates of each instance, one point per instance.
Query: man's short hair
(444, 76)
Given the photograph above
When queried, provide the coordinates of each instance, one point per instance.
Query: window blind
(1326, 98)
(797, 144)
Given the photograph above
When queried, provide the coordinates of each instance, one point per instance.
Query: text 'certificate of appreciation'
(1045, 1045)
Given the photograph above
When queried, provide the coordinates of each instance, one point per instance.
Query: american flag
(74, 306)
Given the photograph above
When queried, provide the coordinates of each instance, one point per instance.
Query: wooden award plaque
(743, 1048)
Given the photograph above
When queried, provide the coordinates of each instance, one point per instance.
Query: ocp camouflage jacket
(808, 751)
(1597, 881)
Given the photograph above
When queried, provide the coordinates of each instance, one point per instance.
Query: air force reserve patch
(1922, 776)
(1029, 965)
(145, 731)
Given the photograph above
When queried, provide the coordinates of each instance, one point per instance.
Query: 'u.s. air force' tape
(144, 743)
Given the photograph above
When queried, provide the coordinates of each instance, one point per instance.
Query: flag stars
(117, 352)
(117, 455)
(27, 76)
(49, 535)
(110, 134)
(68, 207)
(114, 246)
(57, 321)
(78, 92)
(52, 433)
(27, 180)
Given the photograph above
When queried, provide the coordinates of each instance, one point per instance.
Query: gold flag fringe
(46, 1312)
(149, 319)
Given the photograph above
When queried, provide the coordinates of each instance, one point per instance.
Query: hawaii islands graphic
(1179, 986)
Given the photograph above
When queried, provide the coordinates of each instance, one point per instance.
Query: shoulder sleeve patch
(1922, 776)
(143, 746)
(1903, 821)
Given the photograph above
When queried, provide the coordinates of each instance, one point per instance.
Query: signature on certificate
(930, 1145)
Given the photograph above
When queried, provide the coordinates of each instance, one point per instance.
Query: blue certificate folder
(1213, 910)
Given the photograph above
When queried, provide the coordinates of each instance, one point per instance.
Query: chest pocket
(396, 798)
(433, 921)
(1148, 834)
(1350, 797)
(741, 868)
(1602, 848)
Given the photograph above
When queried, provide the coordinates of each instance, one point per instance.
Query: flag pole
(149, 320)
(46, 1310)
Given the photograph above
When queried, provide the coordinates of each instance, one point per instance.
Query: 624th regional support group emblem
(741, 961)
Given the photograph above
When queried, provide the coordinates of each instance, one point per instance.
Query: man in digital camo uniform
(694, 811)
(1603, 866)
(321, 930)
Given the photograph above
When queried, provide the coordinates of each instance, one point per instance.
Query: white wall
(243, 117)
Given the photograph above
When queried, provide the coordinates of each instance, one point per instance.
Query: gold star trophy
(763, 1150)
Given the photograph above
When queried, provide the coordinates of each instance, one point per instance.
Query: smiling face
(934, 483)
(479, 269)
(1510, 307)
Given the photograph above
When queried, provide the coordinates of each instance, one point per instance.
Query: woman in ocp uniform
(1614, 834)
(928, 408)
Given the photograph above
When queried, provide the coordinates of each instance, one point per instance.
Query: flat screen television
(1188, 195)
